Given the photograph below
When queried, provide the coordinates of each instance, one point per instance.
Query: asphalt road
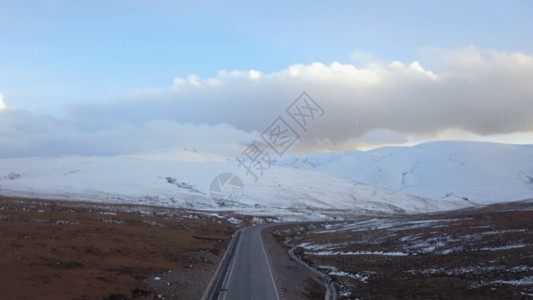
(249, 275)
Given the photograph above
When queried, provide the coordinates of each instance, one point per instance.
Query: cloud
(478, 92)
(23, 134)
(2, 104)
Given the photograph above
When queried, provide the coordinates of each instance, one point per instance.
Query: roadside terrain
(294, 280)
(478, 253)
(79, 250)
(83, 250)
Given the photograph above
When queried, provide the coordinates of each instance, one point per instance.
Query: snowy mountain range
(481, 172)
(428, 177)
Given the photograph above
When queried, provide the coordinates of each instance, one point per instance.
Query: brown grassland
(76, 250)
(80, 250)
(483, 253)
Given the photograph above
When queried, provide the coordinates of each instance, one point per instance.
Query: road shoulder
(293, 280)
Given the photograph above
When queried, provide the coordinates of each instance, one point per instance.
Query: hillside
(480, 172)
(177, 182)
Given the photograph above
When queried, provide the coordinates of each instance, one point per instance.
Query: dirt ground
(471, 254)
(73, 250)
(294, 280)
(77, 250)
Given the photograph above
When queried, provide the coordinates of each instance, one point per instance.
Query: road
(249, 275)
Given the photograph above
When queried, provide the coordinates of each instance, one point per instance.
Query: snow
(331, 270)
(523, 281)
(359, 253)
(471, 270)
(415, 243)
(483, 173)
(501, 232)
(312, 186)
(287, 193)
(234, 220)
(310, 246)
(507, 247)
(257, 221)
(373, 224)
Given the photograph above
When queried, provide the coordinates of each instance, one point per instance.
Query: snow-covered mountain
(480, 172)
(423, 178)
(184, 180)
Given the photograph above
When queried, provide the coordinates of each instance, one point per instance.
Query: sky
(119, 77)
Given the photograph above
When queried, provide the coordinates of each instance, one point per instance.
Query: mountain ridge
(481, 172)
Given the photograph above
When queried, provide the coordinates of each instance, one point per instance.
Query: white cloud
(24, 134)
(195, 81)
(2, 104)
(334, 73)
(465, 93)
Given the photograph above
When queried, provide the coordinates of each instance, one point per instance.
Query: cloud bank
(453, 94)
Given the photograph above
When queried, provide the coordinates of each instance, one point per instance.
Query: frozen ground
(481, 253)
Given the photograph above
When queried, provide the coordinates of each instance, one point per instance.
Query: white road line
(231, 269)
(268, 264)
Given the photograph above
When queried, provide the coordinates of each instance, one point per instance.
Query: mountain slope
(176, 183)
(481, 172)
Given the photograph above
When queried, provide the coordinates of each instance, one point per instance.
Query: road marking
(228, 275)
(268, 264)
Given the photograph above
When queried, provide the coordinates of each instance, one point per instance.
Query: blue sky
(61, 51)
(58, 54)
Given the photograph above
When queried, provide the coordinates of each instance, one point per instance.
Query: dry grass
(73, 250)
(476, 254)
